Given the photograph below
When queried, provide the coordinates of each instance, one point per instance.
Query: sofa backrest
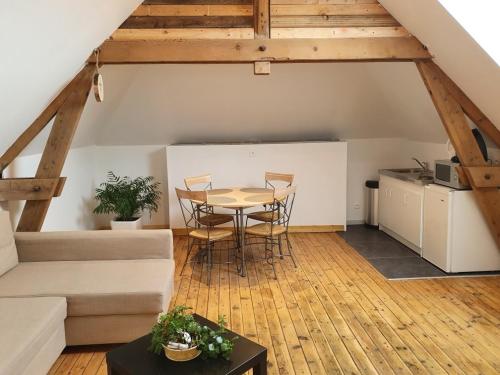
(8, 251)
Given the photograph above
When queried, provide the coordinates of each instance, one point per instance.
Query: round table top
(239, 197)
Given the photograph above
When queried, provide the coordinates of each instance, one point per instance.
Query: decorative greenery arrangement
(179, 327)
(127, 198)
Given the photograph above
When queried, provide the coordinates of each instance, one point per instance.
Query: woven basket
(181, 355)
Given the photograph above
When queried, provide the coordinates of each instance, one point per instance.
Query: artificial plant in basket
(127, 198)
(178, 330)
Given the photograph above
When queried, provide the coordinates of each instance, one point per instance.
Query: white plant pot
(126, 225)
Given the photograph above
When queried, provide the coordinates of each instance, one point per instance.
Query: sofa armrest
(94, 245)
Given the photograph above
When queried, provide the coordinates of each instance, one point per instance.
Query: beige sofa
(114, 283)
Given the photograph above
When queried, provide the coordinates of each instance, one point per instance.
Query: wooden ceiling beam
(470, 109)
(194, 10)
(327, 9)
(15, 189)
(468, 151)
(43, 119)
(55, 152)
(277, 50)
(161, 22)
(262, 19)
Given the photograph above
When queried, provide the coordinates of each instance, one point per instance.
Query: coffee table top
(135, 358)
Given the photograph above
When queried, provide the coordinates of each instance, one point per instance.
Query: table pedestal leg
(242, 242)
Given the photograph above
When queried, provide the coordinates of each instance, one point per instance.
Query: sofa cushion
(95, 287)
(26, 324)
(8, 252)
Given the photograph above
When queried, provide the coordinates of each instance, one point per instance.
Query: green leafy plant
(127, 197)
(173, 326)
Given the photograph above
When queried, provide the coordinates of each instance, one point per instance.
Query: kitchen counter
(418, 176)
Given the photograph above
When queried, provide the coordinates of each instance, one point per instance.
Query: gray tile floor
(390, 257)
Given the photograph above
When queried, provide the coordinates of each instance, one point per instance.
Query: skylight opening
(479, 19)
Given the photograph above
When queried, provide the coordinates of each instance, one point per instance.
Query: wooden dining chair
(272, 180)
(210, 218)
(199, 232)
(273, 229)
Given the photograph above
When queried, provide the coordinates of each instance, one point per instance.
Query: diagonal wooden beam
(43, 119)
(55, 152)
(470, 109)
(455, 123)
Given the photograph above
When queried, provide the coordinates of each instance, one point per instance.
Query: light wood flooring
(336, 314)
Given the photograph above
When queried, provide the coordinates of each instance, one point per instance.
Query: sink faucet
(423, 164)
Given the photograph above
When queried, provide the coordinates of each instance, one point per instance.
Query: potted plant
(127, 198)
(182, 338)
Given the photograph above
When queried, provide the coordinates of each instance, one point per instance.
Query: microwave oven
(445, 173)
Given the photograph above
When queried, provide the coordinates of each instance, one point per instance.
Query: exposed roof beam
(44, 118)
(279, 50)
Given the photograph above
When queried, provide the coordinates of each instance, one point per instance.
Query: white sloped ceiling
(455, 51)
(43, 45)
(162, 104)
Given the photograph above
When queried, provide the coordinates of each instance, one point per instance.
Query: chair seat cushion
(26, 324)
(264, 230)
(216, 234)
(266, 216)
(215, 219)
(95, 287)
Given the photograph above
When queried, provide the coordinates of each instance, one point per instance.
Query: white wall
(319, 169)
(87, 167)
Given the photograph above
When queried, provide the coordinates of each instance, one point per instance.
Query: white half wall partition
(320, 170)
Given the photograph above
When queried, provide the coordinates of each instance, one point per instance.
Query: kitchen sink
(406, 170)
(417, 176)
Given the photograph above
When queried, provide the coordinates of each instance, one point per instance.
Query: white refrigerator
(455, 235)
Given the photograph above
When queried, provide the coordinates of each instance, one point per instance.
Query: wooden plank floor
(336, 314)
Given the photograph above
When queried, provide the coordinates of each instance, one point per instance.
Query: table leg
(238, 228)
(111, 372)
(260, 368)
(242, 243)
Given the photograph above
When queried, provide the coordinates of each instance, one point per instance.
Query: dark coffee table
(135, 359)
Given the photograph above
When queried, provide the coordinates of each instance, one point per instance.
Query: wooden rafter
(14, 189)
(55, 152)
(471, 158)
(276, 50)
(43, 119)
(470, 109)
(262, 19)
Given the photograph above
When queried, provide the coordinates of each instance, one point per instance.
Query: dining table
(239, 199)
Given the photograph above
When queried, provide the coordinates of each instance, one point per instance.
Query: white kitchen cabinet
(400, 210)
(455, 235)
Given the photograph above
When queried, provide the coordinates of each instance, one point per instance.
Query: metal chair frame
(282, 177)
(283, 200)
(190, 214)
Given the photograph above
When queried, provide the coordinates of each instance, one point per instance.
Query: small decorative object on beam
(97, 81)
(262, 67)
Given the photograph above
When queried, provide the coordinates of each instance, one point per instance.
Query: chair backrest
(206, 180)
(192, 202)
(284, 199)
(271, 177)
